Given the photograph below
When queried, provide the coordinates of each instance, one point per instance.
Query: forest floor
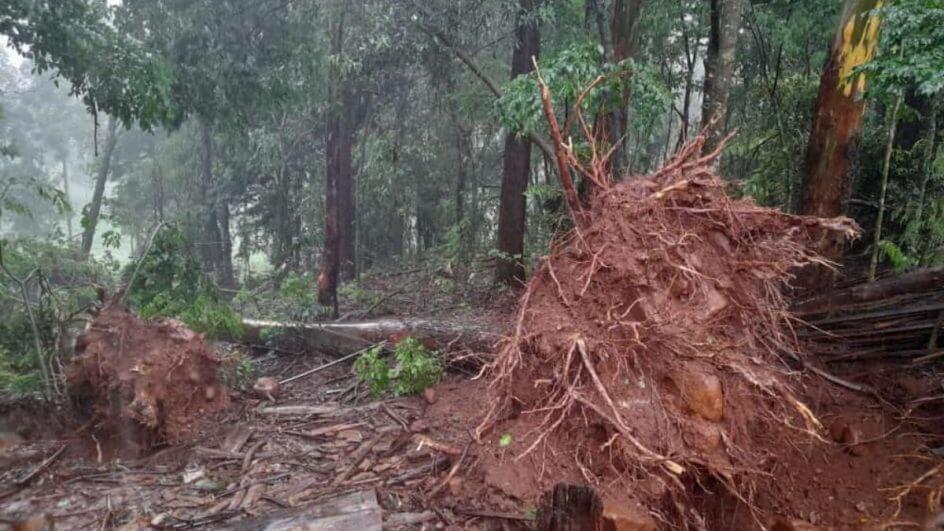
(323, 437)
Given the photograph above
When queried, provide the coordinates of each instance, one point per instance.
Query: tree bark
(334, 152)
(886, 167)
(719, 68)
(211, 246)
(516, 166)
(930, 155)
(837, 121)
(227, 276)
(624, 26)
(65, 189)
(837, 125)
(690, 45)
(345, 186)
(94, 209)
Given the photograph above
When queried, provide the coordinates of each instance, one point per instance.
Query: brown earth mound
(652, 335)
(144, 382)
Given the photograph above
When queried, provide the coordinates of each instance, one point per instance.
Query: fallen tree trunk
(343, 338)
(913, 282)
(897, 317)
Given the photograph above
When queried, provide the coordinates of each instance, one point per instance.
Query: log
(343, 338)
(357, 510)
(913, 282)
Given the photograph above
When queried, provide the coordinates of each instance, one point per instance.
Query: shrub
(170, 283)
(416, 370)
(372, 369)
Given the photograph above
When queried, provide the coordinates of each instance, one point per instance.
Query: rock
(455, 486)
(42, 522)
(849, 435)
(624, 518)
(207, 485)
(8, 441)
(702, 392)
(419, 426)
(267, 387)
(716, 303)
(353, 436)
(430, 395)
(789, 524)
(705, 436)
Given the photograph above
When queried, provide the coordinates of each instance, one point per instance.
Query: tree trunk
(930, 155)
(331, 254)
(517, 159)
(212, 239)
(227, 276)
(93, 209)
(886, 166)
(345, 186)
(624, 29)
(626, 15)
(65, 190)
(837, 120)
(719, 68)
(158, 178)
(691, 57)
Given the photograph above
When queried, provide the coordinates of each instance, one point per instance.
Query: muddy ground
(324, 436)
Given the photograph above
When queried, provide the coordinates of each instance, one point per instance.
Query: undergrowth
(170, 283)
(415, 370)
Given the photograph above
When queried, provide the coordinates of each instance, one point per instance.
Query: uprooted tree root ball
(144, 382)
(653, 333)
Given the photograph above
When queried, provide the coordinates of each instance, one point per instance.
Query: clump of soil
(144, 382)
(649, 342)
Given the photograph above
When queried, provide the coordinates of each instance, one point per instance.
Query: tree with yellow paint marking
(837, 121)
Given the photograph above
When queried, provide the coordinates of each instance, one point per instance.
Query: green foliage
(170, 283)
(357, 295)
(297, 293)
(912, 48)
(922, 231)
(568, 74)
(237, 371)
(888, 250)
(416, 369)
(372, 369)
(59, 288)
(76, 40)
(16, 379)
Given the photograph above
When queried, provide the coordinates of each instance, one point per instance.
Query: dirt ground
(323, 436)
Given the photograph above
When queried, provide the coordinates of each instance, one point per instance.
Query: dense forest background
(209, 153)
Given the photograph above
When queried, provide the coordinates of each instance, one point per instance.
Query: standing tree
(517, 158)
(719, 67)
(93, 209)
(837, 120)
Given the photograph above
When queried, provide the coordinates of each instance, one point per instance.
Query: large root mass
(145, 382)
(654, 331)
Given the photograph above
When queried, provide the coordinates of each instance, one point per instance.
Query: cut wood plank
(357, 510)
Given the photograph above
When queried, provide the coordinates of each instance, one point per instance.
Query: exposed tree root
(661, 320)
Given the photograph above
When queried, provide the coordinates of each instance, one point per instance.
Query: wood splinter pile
(651, 335)
(897, 317)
